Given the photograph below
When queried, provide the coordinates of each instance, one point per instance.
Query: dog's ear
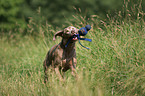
(59, 33)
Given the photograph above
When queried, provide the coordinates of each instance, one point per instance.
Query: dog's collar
(78, 36)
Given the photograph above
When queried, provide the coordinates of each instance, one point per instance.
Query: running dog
(60, 57)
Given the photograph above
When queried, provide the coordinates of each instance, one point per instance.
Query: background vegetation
(59, 12)
(114, 65)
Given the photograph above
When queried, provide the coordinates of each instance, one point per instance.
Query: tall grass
(114, 65)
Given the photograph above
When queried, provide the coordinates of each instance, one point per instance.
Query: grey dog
(62, 58)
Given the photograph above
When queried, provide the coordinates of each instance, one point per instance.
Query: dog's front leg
(58, 73)
(45, 71)
(73, 67)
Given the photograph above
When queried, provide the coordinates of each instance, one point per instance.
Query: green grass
(114, 65)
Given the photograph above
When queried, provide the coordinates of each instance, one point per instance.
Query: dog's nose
(73, 31)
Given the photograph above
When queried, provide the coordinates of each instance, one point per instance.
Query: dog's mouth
(74, 38)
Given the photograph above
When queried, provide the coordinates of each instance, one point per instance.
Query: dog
(60, 57)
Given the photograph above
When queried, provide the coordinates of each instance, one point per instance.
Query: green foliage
(59, 12)
(10, 14)
(114, 65)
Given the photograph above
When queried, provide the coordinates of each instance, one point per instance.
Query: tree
(10, 14)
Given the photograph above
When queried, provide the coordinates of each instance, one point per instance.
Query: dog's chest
(67, 58)
(68, 55)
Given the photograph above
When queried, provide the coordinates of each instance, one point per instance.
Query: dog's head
(67, 33)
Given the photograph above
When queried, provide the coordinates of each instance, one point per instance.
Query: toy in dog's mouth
(82, 32)
(76, 37)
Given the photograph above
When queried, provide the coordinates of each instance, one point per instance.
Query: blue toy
(82, 32)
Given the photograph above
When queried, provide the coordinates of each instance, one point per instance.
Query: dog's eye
(67, 32)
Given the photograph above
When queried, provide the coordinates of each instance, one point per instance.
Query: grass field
(114, 65)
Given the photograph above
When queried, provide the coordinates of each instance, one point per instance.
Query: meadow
(114, 65)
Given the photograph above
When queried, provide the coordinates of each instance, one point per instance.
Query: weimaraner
(62, 58)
